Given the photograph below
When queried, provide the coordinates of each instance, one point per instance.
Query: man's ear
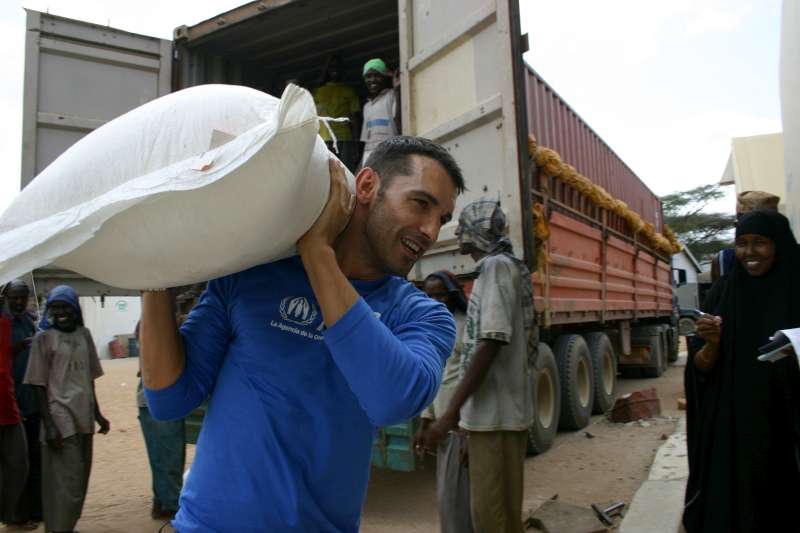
(367, 185)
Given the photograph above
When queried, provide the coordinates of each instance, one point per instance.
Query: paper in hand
(784, 343)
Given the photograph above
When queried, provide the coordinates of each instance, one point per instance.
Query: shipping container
(603, 296)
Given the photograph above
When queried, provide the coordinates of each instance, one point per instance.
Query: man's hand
(439, 430)
(709, 328)
(334, 217)
(104, 424)
(53, 438)
(419, 437)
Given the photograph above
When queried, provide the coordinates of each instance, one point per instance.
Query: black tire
(674, 344)
(604, 366)
(658, 355)
(546, 390)
(577, 385)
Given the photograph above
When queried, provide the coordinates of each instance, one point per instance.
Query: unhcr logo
(298, 310)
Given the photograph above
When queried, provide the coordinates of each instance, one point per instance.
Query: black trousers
(29, 507)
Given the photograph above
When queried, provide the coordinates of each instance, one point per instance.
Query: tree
(703, 232)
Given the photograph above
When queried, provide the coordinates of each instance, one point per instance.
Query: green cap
(377, 65)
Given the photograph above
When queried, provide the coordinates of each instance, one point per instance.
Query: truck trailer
(581, 219)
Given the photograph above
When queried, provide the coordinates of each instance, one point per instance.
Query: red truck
(603, 290)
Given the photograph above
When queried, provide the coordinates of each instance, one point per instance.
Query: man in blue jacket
(305, 357)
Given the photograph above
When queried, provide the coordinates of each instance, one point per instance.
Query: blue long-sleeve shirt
(286, 441)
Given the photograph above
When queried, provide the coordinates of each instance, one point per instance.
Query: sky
(666, 83)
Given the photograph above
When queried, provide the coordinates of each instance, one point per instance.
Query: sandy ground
(581, 470)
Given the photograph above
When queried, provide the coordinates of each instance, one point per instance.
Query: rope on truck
(550, 164)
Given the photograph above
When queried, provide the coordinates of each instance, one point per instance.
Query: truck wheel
(604, 364)
(674, 341)
(658, 356)
(546, 391)
(577, 385)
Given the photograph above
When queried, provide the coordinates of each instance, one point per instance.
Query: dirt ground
(581, 470)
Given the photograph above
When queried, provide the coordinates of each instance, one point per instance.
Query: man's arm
(482, 360)
(393, 375)
(334, 292)
(51, 432)
(194, 354)
(102, 421)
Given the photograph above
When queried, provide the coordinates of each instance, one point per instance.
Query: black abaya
(742, 415)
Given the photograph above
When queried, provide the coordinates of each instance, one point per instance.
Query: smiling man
(304, 358)
(381, 111)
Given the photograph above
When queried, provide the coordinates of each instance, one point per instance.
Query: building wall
(790, 108)
(687, 294)
(681, 261)
(759, 165)
(117, 316)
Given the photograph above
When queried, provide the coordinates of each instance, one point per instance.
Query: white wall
(118, 316)
(790, 107)
(681, 261)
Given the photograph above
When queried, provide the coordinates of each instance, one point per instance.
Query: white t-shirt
(379, 123)
(504, 400)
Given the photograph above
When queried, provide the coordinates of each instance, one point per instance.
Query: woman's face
(756, 253)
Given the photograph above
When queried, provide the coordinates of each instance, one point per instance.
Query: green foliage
(703, 232)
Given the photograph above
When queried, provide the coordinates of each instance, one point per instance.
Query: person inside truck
(743, 415)
(493, 402)
(337, 100)
(452, 472)
(382, 110)
(304, 358)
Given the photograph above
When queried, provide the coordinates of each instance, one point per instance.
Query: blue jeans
(166, 450)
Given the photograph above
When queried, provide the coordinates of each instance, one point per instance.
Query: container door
(462, 86)
(78, 76)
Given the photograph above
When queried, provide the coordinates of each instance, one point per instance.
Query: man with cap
(62, 368)
(381, 119)
(336, 99)
(23, 328)
(493, 401)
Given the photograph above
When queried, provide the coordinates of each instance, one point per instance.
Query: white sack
(150, 200)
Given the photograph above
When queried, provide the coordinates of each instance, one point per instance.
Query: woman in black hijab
(742, 414)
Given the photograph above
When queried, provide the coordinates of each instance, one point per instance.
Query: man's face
(404, 220)
(375, 82)
(18, 300)
(62, 316)
(435, 289)
(756, 253)
(465, 246)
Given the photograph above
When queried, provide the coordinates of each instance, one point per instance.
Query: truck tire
(674, 344)
(658, 356)
(577, 385)
(546, 390)
(604, 364)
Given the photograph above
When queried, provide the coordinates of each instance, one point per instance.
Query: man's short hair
(392, 157)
